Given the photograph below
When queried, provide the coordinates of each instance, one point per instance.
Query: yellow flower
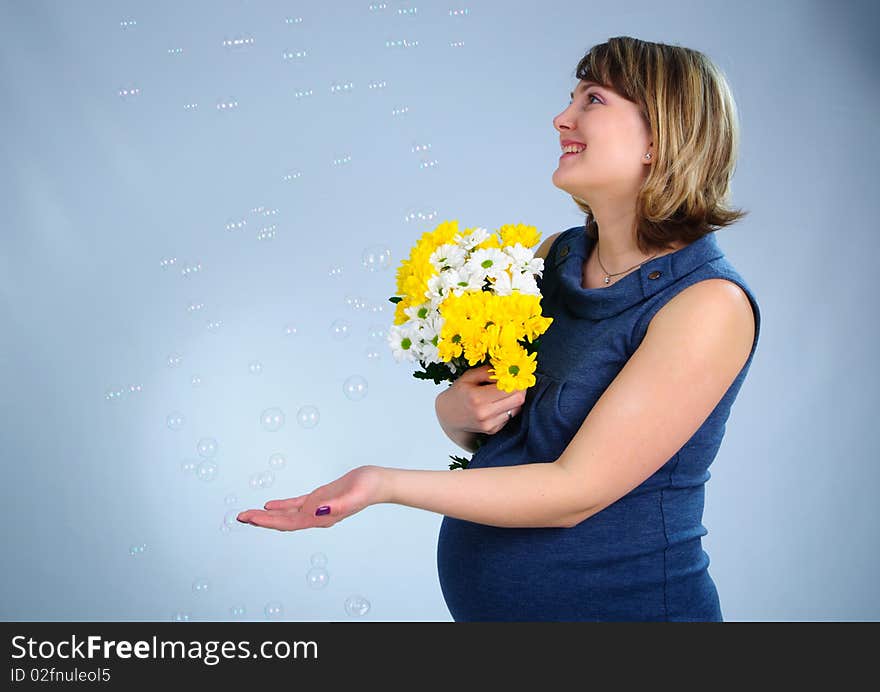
(491, 241)
(513, 368)
(512, 234)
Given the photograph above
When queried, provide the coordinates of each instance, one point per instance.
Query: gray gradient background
(97, 189)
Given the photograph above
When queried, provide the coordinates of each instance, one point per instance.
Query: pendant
(607, 279)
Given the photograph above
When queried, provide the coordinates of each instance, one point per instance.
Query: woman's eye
(589, 96)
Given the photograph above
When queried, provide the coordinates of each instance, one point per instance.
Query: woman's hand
(473, 403)
(347, 495)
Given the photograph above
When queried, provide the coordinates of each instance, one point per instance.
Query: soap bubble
(377, 333)
(262, 479)
(319, 560)
(272, 419)
(207, 470)
(376, 258)
(207, 448)
(274, 609)
(356, 605)
(175, 420)
(355, 387)
(230, 520)
(317, 577)
(201, 586)
(308, 416)
(277, 460)
(340, 329)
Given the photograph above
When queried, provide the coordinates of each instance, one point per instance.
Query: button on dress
(641, 558)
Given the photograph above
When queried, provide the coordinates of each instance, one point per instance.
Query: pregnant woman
(586, 501)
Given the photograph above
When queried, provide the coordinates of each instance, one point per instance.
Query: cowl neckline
(653, 276)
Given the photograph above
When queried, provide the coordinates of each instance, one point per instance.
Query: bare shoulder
(715, 309)
(544, 248)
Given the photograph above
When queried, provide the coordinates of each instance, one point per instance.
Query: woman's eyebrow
(584, 85)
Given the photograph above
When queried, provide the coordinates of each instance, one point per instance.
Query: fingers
(290, 503)
(280, 522)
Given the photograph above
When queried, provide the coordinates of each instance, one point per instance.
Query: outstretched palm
(347, 495)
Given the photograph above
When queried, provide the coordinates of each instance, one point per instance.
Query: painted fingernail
(323, 509)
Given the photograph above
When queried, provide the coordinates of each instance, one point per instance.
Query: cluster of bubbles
(190, 269)
(114, 394)
(401, 43)
(267, 232)
(266, 478)
(205, 467)
(420, 216)
(374, 258)
(272, 419)
(317, 577)
(238, 41)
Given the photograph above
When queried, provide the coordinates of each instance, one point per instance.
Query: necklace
(608, 276)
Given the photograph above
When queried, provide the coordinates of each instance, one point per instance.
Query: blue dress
(641, 558)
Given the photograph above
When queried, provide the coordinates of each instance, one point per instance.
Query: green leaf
(458, 463)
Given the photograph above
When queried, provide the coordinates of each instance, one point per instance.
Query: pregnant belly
(613, 566)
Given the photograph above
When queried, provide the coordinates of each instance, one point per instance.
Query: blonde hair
(688, 106)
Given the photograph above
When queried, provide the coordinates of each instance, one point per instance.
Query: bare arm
(691, 354)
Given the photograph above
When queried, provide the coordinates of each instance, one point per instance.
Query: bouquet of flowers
(470, 299)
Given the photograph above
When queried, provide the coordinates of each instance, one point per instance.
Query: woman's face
(616, 137)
